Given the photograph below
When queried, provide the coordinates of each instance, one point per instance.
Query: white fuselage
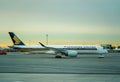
(78, 48)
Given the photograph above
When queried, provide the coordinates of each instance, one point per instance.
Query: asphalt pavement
(19, 67)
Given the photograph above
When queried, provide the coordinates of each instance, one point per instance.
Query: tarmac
(20, 67)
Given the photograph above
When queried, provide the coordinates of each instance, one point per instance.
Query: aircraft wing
(57, 50)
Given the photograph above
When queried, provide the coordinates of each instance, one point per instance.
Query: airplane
(59, 50)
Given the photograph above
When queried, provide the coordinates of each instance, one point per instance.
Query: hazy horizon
(65, 21)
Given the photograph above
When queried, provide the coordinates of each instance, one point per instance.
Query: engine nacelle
(72, 53)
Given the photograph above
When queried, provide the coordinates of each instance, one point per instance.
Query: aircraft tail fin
(15, 39)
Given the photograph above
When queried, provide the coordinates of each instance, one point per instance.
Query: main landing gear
(58, 55)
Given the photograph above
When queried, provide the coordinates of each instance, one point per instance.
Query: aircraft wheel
(58, 56)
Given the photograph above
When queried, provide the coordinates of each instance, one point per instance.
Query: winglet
(42, 44)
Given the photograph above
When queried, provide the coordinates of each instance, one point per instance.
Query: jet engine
(72, 53)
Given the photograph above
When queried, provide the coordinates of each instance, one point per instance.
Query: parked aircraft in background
(59, 50)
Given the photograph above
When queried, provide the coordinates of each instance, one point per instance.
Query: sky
(65, 21)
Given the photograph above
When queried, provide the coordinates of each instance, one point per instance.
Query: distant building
(108, 46)
(118, 47)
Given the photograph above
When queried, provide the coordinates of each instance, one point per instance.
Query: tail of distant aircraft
(15, 39)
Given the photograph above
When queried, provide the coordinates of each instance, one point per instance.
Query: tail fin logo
(17, 41)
